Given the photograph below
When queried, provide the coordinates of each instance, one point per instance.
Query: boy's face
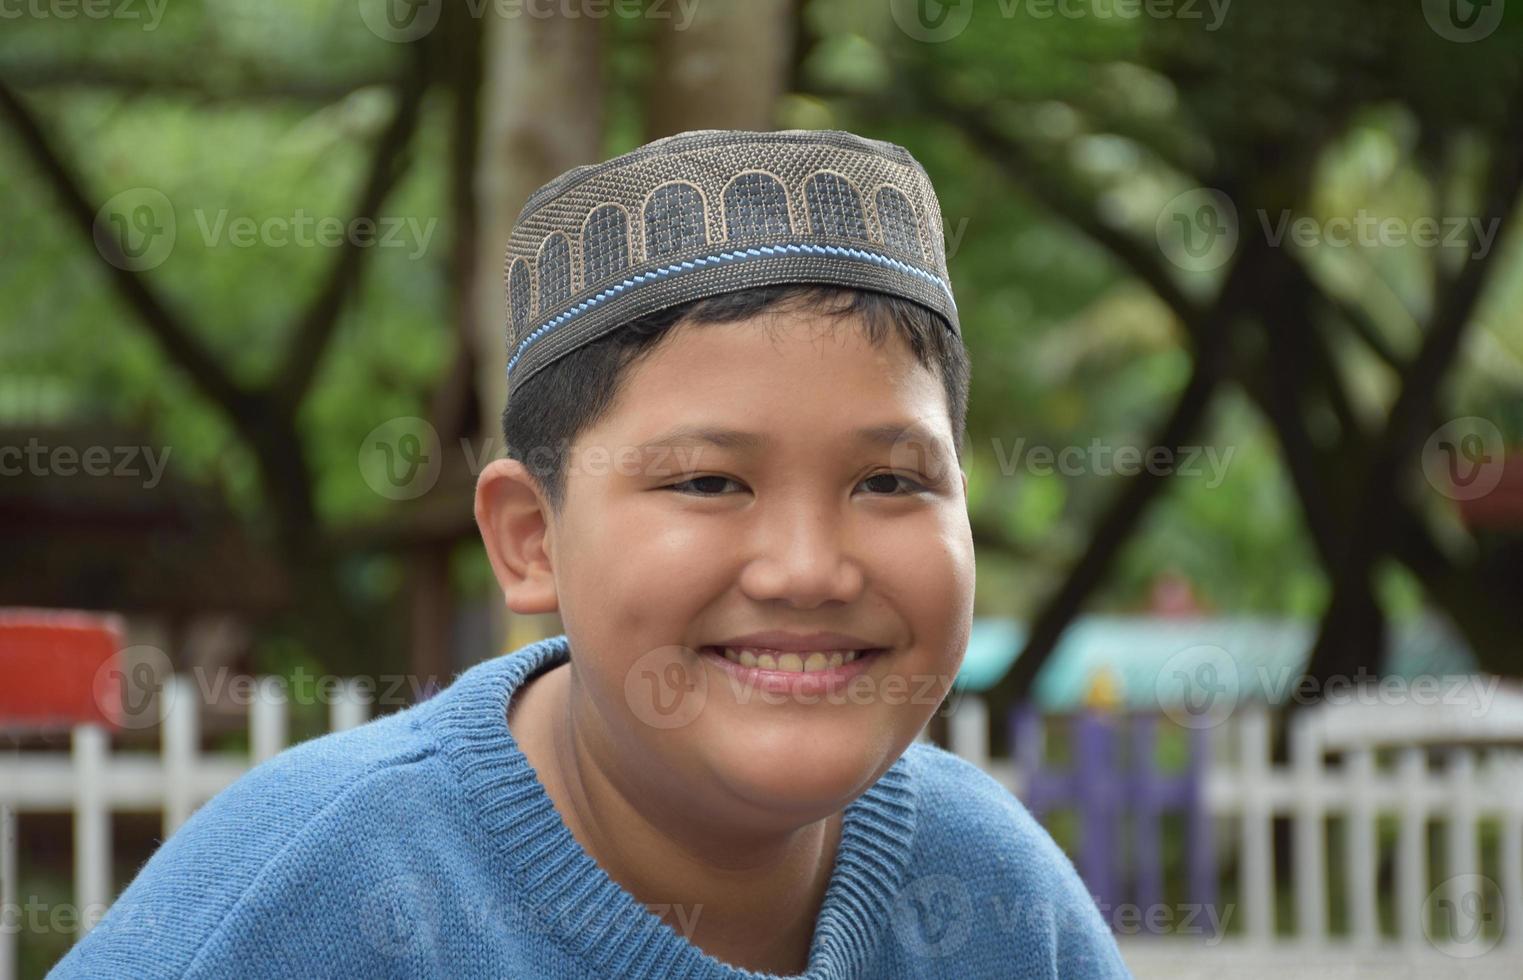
(671, 542)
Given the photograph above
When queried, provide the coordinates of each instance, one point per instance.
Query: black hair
(571, 394)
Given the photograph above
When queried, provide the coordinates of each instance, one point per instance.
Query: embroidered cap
(716, 211)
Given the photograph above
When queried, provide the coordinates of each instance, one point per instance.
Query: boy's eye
(890, 483)
(713, 485)
(703, 486)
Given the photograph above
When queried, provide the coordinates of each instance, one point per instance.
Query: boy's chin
(812, 780)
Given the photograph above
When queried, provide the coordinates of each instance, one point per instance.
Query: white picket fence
(91, 782)
(1479, 777)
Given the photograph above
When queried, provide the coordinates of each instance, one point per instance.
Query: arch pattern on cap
(896, 221)
(676, 219)
(587, 242)
(755, 206)
(605, 243)
(554, 271)
(835, 206)
(520, 292)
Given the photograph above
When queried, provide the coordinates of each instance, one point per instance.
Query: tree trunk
(541, 114)
(725, 70)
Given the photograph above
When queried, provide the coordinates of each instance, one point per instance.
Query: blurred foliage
(237, 109)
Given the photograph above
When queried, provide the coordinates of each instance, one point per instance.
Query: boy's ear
(513, 519)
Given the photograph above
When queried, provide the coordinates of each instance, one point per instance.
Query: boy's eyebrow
(886, 435)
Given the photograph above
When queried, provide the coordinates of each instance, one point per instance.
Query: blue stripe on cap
(721, 258)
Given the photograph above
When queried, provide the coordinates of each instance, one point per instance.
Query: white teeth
(807, 662)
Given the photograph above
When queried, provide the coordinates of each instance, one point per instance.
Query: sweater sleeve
(205, 883)
(993, 891)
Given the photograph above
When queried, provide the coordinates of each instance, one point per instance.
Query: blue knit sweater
(422, 844)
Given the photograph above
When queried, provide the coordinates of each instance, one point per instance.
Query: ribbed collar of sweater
(591, 916)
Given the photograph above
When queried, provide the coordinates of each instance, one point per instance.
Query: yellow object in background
(1105, 691)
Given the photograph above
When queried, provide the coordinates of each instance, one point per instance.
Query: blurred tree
(1072, 154)
(264, 413)
(1266, 102)
(541, 114)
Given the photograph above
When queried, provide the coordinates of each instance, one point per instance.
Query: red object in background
(57, 669)
(1502, 508)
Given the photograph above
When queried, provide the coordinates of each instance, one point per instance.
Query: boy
(734, 427)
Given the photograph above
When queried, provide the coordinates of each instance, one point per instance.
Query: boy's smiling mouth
(807, 661)
(791, 660)
(789, 672)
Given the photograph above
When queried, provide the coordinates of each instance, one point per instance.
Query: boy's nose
(804, 559)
